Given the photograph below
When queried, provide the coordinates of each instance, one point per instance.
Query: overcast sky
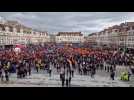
(69, 21)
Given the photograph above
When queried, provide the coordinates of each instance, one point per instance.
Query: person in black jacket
(20, 70)
(112, 73)
(129, 74)
(50, 69)
(25, 66)
(93, 71)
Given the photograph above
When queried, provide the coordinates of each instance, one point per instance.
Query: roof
(2, 25)
(123, 27)
(92, 34)
(12, 22)
(18, 26)
(130, 23)
(116, 27)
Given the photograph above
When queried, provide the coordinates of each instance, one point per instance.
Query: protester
(62, 76)
(1, 73)
(6, 70)
(112, 74)
(85, 61)
(50, 69)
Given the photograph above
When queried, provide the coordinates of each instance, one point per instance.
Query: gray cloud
(69, 21)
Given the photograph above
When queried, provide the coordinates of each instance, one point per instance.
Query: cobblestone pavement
(42, 79)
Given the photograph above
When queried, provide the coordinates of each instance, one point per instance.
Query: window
(3, 28)
(11, 29)
(116, 30)
(121, 39)
(0, 28)
(129, 39)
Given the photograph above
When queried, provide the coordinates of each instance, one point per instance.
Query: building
(52, 38)
(91, 39)
(12, 32)
(116, 36)
(69, 37)
(130, 35)
(39, 37)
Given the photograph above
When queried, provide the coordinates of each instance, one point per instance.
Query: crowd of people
(66, 60)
